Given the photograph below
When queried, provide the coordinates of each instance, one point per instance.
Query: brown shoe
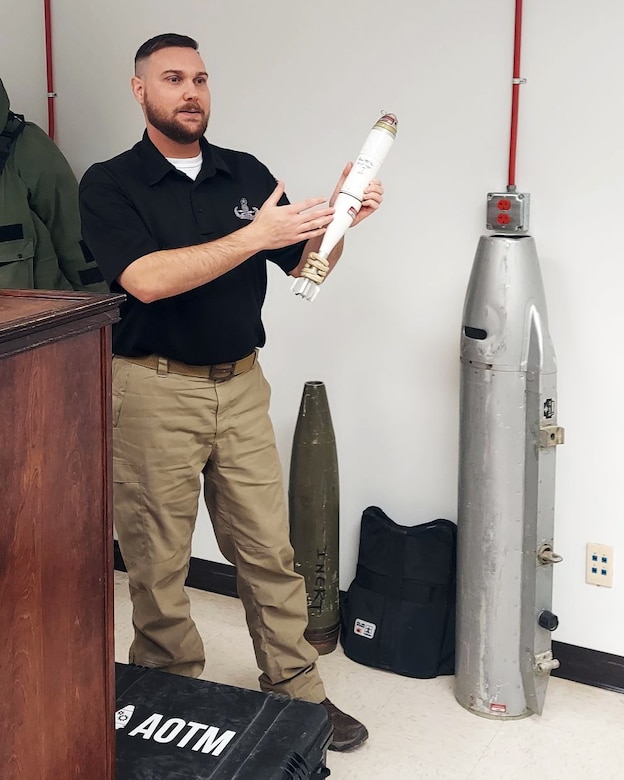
(349, 733)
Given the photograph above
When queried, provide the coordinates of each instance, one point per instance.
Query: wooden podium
(57, 696)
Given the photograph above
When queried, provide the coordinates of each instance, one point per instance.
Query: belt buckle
(221, 372)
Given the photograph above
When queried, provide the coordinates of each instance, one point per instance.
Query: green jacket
(40, 240)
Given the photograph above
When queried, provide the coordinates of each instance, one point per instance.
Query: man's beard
(173, 128)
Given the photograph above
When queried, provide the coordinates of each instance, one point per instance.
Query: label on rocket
(366, 163)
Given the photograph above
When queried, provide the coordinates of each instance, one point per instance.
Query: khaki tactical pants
(168, 430)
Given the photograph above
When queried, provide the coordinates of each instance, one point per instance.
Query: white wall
(299, 85)
(22, 58)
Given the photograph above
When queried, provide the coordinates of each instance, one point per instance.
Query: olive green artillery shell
(313, 498)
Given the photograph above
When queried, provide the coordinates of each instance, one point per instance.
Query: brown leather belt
(219, 372)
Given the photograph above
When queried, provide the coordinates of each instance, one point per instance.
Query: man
(40, 244)
(184, 229)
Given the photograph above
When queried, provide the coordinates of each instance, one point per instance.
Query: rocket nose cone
(388, 122)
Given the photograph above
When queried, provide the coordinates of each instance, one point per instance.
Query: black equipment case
(169, 727)
(399, 611)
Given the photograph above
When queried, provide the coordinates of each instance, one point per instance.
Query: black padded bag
(399, 611)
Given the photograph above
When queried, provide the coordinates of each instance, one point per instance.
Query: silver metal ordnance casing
(508, 438)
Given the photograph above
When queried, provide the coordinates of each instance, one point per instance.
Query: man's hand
(372, 199)
(279, 226)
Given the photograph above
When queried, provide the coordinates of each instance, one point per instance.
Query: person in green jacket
(40, 239)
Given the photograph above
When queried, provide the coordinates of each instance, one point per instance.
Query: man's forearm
(169, 272)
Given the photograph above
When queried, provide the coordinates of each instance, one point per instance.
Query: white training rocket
(348, 203)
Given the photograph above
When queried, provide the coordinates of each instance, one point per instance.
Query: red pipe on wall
(515, 96)
(49, 70)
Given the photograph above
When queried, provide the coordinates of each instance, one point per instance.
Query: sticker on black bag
(364, 628)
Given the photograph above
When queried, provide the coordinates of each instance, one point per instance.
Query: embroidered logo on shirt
(244, 211)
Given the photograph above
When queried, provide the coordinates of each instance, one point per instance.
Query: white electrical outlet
(599, 568)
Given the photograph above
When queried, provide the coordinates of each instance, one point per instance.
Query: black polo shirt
(138, 203)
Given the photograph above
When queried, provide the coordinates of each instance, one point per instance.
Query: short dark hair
(164, 41)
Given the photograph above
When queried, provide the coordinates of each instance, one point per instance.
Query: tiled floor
(417, 730)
